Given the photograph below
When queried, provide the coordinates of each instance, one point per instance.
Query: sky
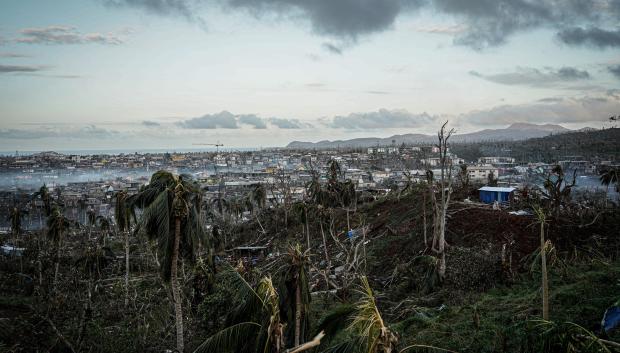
(138, 74)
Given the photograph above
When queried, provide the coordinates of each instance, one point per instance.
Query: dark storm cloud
(64, 35)
(592, 36)
(535, 77)
(338, 18)
(483, 23)
(252, 120)
(4, 69)
(615, 70)
(289, 123)
(381, 119)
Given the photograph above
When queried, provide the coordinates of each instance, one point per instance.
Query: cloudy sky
(93, 74)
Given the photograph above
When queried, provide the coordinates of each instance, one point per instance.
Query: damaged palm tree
(558, 189)
(57, 225)
(368, 331)
(170, 217)
(297, 299)
(255, 324)
(122, 214)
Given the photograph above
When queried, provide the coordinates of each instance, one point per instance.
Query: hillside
(586, 144)
(514, 132)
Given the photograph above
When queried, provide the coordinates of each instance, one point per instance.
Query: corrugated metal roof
(497, 189)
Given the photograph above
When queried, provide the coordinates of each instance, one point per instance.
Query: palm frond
(231, 339)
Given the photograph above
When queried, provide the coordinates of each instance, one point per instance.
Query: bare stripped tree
(445, 186)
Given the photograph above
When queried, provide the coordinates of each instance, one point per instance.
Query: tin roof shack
(490, 194)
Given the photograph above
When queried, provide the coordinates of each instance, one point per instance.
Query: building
(481, 172)
(490, 194)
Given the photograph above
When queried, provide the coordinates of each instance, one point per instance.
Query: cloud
(149, 123)
(443, 29)
(227, 120)
(332, 48)
(536, 78)
(345, 19)
(592, 36)
(289, 123)
(381, 119)
(4, 69)
(568, 110)
(12, 55)
(223, 120)
(64, 35)
(615, 70)
(180, 8)
(86, 132)
(481, 23)
(252, 120)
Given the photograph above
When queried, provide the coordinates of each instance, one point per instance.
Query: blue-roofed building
(490, 194)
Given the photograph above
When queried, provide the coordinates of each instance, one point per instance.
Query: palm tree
(91, 216)
(609, 176)
(57, 224)
(301, 209)
(256, 325)
(259, 196)
(542, 218)
(16, 215)
(44, 194)
(348, 198)
(122, 213)
(297, 300)
(104, 225)
(171, 218)
(368, 331)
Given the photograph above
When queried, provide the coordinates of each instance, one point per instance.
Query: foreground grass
(502, 319)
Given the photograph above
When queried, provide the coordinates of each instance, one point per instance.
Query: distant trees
(170, 216)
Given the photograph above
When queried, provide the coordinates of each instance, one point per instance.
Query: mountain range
(514, 132)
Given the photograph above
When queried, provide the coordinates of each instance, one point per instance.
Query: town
(88, 182)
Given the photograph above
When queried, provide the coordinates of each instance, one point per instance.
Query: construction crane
(217, 145)
(217, 151)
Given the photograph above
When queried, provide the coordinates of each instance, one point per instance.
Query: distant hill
(515, 132)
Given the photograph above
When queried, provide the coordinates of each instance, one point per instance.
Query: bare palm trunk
(56, 265)
(298, 315)
(326, 256)
(543, 268)
(424, 218)
(174, 282)
(126, 268)
(307, 227)
(348, 220)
